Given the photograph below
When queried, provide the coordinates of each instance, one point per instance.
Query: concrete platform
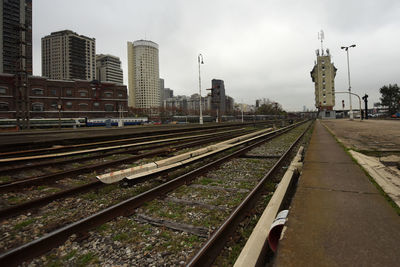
(337, 216)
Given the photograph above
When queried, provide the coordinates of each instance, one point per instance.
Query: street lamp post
(348, 74)
(59, 115)
(201, 112)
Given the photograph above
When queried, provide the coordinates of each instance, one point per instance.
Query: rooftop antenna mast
(321, 37)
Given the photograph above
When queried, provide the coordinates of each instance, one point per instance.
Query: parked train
(72, 122)
(114, 122)
(207, 118)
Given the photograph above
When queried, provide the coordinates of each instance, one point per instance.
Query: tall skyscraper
(15, 36)
(143, 74)
(108, 69)
(67, 55)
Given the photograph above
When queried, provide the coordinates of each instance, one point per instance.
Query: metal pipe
(359, 99)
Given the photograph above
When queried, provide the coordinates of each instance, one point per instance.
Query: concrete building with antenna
(323, 75)
(143, 74)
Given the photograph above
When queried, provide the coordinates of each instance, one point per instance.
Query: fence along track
(124, 208)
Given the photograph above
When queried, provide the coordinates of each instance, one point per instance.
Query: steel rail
(42, 164)
(171, 131)
(35, 203)
(93, 150)
(52, 177)
(212, 248)
(125, 208)
(96, 144)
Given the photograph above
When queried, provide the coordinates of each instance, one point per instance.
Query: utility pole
(365, 98)
(346, 48)
(200, 61)
(21, 82)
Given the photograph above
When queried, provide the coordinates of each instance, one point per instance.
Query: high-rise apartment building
(67, 55)
(323, 75)
(108, 69)
(15, 36)
(143, 74)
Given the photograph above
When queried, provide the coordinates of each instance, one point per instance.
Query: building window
(83, 93)
(83, 106)
(69, 104)
(37, 107)
(4, 106)
(54, 105)
(96, 104)
(120, 94)
(3, 90)
(68, 92)
(38, 91)
(109, 107)
(53, 92)
(108, 94)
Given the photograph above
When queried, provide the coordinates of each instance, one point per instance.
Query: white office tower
(143, 74)
(108, 69)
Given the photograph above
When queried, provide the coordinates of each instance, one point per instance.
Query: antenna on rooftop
(321, 37)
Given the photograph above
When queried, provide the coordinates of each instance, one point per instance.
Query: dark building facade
(218, 101)
(15, 36)
(78, 98)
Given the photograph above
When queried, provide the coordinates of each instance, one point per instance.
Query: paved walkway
(337, 216)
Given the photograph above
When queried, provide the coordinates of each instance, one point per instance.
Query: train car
(114, 121)
(192, 119)
(227, 118)
(45, 122)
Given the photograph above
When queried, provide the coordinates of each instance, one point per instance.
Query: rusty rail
(212, 248)
(125, 208)
(16, 209)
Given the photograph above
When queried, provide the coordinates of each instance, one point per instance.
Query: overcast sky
(260, 48)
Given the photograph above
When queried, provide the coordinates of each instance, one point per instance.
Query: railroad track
(145, 215)
(115, 164)
(96, 147)
(51, 178)
(134, 149)
(46, 140)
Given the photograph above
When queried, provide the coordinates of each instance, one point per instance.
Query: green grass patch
(86, 259)
(23, 224)
(206, 181)
(14, 199)
(5, 178)
(121, 237)
(70, 255)
(103, 227)
(90, 196)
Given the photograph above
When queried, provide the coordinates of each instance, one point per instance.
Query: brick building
(78, 98)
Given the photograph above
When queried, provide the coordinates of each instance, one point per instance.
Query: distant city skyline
(261, 49)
